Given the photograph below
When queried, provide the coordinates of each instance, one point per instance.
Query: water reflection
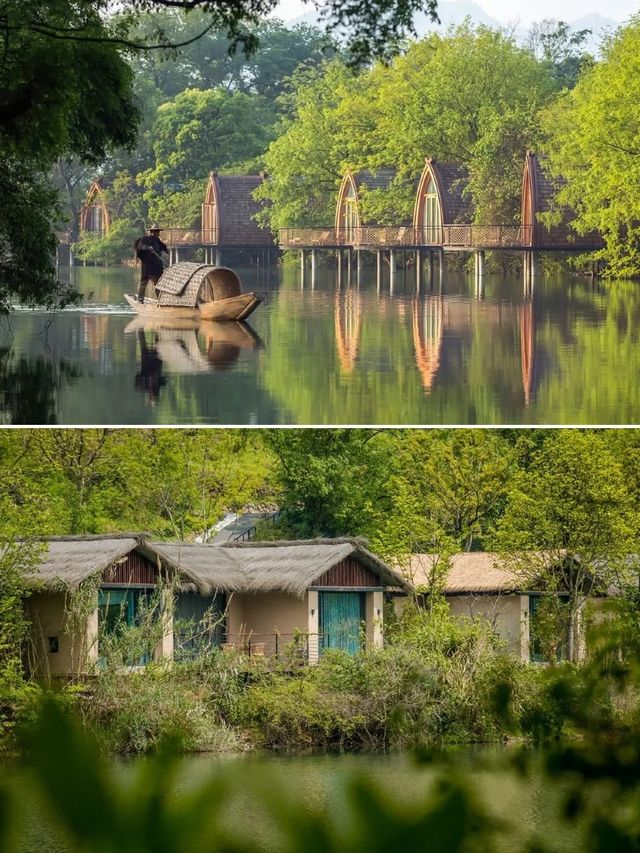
(440, 350)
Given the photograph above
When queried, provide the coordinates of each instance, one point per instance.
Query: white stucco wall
(508, 615)
(47, 612)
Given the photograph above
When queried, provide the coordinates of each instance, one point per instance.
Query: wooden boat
(192, 290)
(233, 308)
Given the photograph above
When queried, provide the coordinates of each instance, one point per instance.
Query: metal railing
(297, 647)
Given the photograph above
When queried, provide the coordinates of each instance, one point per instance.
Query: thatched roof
(290, 567)
(480, 572)
(187, 283)
(234, 567)
(70, 560)
(474, 572)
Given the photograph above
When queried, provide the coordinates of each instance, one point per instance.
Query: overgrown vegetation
(594, 773)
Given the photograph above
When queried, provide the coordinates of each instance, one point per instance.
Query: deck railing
(176, 237)
(487, 236)
(406, 236)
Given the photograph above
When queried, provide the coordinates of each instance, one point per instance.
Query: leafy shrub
(137, 712)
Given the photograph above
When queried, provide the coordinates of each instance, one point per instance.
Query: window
(119, 609)
(350, 214)
(431, 214)
(54, 645)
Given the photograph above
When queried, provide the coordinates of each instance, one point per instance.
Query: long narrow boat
(191, 290)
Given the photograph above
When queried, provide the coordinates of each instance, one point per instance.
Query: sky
(522, 10)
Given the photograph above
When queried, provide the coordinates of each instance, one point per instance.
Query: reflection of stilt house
(440, 200)
(538, 198)
(527, 349)
(94, 215)
(427, 325)
(348, 309)
(229, 210)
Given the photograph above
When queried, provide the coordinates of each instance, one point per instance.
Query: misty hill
(453, 12)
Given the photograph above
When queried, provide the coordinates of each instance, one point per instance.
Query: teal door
(341, 617)
(198, 624)
(119, 609)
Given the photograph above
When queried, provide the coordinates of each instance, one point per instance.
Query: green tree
(570, 524)
(472, 97)
(329, 117)
(59, 98)
(592, 142)
(447, 491)
(330, 481)
(202, 130)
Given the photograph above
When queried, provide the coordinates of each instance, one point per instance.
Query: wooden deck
(449, 238)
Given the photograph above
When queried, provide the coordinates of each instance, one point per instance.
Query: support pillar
(418, 263)
(313, 269)
(378, 270)
(392, 269)
(479, 264)
(348, 266)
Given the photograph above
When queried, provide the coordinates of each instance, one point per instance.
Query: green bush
(136, 712)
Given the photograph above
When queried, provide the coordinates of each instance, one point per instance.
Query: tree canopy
(593, 143)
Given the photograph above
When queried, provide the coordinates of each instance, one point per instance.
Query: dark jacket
(147, 251)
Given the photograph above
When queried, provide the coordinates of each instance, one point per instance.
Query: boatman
(149, 249)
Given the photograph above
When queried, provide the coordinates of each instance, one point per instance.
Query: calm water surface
(319, 784)
(569, 352)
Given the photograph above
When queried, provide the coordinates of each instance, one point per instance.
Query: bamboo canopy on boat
(188, 284)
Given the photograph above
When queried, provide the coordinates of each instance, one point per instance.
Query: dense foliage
(594, 143)
(470, 97)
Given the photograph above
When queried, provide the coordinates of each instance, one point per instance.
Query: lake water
(319, 352)
(320, 785)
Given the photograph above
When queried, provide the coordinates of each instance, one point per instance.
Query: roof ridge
(356, 541)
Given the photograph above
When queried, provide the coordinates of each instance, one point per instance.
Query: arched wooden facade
(440, 201)
(349, 216)
(228, 212)
(538, 197)
(94, 214)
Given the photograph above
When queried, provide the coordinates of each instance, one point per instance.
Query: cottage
(440, 200)
(538, 198)
(94, 214)
(350, 217)
(320, 593)
(259, 598)
(81, 586)
(229, 210)
(480, 584)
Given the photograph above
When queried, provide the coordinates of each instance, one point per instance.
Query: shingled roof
(539, 191)
(237, 209)
(451, 180)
